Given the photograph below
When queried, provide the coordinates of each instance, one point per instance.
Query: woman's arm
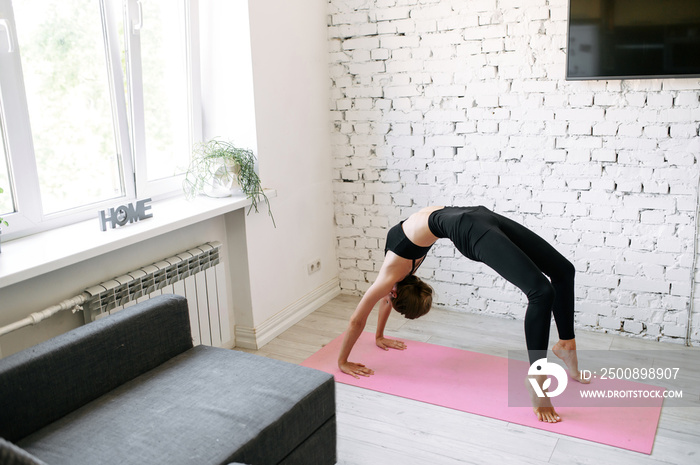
(382, 342)
(357, 323)
(384, 311)
(379, 289)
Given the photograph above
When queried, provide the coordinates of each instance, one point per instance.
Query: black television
(629, 39)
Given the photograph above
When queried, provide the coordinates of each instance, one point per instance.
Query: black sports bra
(397, 242)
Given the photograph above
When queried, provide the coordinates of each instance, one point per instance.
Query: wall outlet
(314, 266)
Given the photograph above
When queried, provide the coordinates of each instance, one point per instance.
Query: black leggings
(523, 258)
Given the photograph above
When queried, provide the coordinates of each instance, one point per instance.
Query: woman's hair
(413, 297)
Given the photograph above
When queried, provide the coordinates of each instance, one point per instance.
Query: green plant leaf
(206, 164)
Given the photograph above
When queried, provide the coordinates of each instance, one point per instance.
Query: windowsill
(41, 253)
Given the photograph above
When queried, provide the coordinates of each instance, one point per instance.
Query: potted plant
(220, 169)
(2, 222)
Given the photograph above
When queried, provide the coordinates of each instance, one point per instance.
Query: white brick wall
(465, 103)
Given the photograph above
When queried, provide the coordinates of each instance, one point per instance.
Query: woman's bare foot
(542, 406)
(566, 351)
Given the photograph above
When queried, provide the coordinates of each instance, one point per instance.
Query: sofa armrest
(44, 383)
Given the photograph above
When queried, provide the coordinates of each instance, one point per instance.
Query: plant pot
(224, 183)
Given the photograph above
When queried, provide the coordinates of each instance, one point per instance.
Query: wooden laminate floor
(376, 428)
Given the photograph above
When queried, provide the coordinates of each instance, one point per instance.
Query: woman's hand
(386, 344)
(355, 369)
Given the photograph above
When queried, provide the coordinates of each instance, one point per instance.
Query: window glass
(62, 51)
(165, 88)
(98, 99)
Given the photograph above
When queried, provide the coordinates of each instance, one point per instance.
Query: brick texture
(439, 102)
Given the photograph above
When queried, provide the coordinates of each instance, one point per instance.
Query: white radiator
(197, 274)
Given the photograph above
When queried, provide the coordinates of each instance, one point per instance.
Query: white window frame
(134, 19)
(14, 118)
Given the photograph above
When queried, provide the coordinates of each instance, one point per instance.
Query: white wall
(228, 106)
(439, 102)
(266, 87)
(290, 69)
(289, 114)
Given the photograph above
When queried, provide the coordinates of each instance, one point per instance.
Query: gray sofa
(131, 389)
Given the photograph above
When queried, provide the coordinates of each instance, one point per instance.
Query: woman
(516, 253)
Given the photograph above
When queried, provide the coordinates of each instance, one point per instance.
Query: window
(68, 101)
(97, 100)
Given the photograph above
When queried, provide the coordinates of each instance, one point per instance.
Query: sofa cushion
(207, 405)
(13, 455)
(41, 384)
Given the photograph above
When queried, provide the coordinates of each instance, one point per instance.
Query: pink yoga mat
(478, 383)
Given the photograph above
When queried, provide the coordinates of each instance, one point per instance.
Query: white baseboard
(255, 338)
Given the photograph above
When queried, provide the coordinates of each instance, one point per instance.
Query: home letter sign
(125, 213)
